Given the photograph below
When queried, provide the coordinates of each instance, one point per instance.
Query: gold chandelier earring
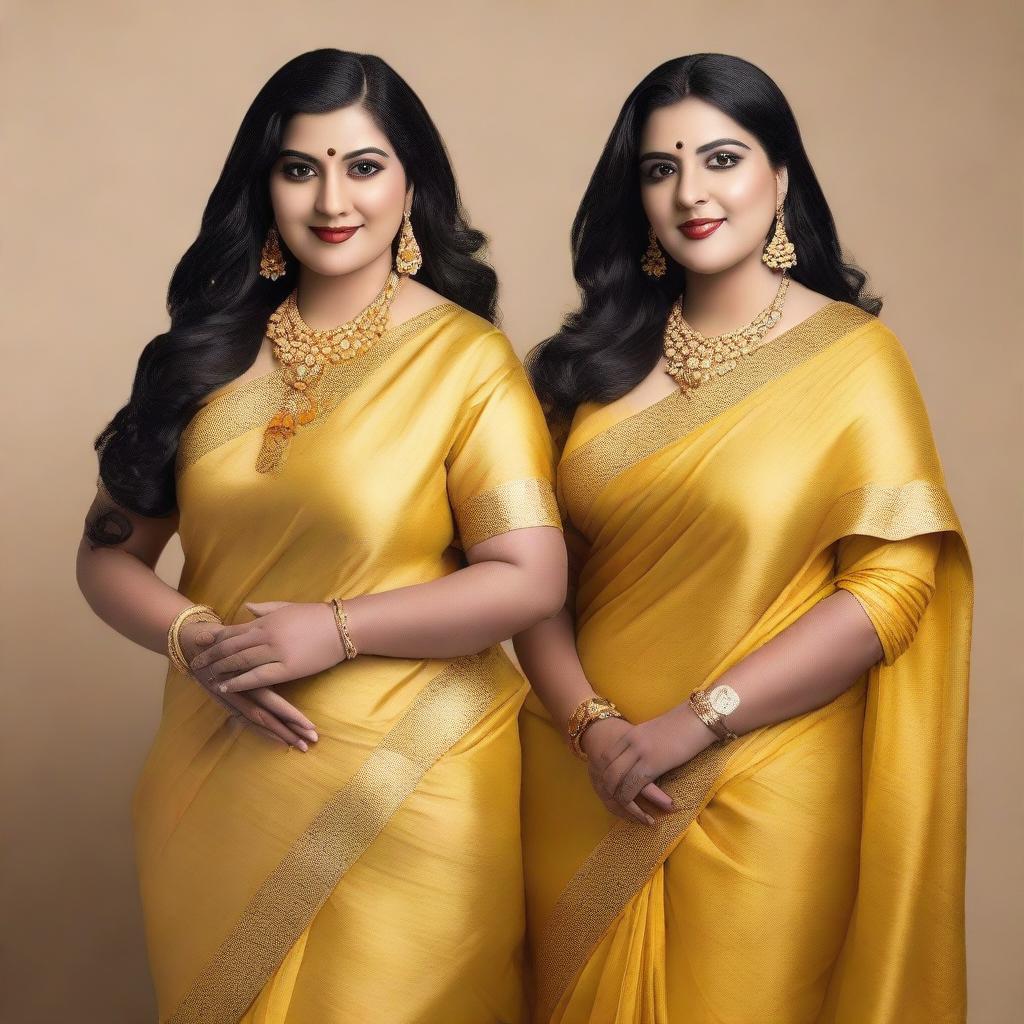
(272, 265)
(779, 253)
(653, 263)
(408, 259)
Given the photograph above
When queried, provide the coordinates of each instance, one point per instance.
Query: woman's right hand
(262, 709)
(597, 739)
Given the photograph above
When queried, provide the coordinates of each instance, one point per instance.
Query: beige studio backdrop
(117, 118)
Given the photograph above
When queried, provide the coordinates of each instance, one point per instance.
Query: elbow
(549, 595)
(555, 602)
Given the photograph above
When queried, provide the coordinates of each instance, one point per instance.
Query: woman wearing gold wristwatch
(763, 671)
(366, 511)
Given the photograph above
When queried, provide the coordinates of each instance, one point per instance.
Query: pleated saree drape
(816, 871)
(379, 876)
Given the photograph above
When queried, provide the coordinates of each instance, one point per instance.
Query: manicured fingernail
(311, 733)
(302, 746)
(650, 820)
(223, 687)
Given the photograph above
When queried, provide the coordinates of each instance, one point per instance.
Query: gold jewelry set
(305, 352)
(194, 613)
(694, 359)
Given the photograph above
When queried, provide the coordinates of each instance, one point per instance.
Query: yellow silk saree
(816, 870)
(379, 876)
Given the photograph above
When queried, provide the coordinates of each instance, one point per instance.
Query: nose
(692, 191)
(332, 197)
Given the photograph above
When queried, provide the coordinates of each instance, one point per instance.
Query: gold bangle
(341, 621)
(710, 717)
(586, 713)
(581, 710)
(194, 613)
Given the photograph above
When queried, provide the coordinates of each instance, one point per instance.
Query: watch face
(724, 699)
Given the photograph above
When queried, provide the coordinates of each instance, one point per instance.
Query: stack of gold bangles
(341, 620)
(194, 613)
(587, 712)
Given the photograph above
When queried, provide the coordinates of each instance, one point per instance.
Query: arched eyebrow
(347, 156)
(672, 158)
(720, 142)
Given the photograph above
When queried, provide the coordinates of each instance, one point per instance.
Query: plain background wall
(116, 120)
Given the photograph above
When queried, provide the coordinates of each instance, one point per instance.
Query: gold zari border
(253, 404)
(444, 711)
(616, 869)
(511, 506)
(585, 472)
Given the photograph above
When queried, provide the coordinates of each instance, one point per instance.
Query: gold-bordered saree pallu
(379, 876)
(816, 870)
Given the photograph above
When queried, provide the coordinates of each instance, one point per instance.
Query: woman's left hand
(646, 751)
(285, 641)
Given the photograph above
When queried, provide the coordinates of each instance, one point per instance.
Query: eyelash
(650, 175)
(288, 169)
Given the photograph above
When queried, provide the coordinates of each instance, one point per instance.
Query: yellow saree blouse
(379, 876)
(816, 870)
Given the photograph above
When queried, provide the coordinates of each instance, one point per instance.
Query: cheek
(659, 204)
(749, 196)
(290, 201)
(382, 197)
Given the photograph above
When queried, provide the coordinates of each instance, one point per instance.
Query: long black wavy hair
(612, 341)
(218, 303)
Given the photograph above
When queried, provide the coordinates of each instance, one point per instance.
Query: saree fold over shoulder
(815, 872)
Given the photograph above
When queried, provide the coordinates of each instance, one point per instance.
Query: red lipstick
(335, 235)
(700, 227)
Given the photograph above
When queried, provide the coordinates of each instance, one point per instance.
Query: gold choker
(305, 353)
(694, 359)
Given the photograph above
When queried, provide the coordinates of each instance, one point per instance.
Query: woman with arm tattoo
(360, 475)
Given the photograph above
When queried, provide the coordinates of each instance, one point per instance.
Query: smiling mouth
(701, 227)
(335, 235)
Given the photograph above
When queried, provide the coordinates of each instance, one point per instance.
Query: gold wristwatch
(711, 707)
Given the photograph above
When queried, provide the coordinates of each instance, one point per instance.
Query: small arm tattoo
(107, 529)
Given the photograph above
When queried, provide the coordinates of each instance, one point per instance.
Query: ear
(782, 184)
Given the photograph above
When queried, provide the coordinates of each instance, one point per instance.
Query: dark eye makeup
(300, 171)
(720, 160)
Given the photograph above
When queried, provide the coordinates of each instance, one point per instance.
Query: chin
(333, 267)
(710, 263)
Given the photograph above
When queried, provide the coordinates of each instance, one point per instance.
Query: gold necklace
(305, 353)
(694, 359)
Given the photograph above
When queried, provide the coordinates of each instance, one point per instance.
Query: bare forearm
(463, 613)
(547, 654)
(128, 595)
(806, 666)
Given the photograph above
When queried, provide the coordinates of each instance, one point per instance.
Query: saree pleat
(379, 876)
(815, 871)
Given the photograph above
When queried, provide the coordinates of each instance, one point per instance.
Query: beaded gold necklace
(304, 353)
(694, 359)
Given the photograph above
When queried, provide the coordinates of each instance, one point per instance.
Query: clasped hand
(624, 760)
(285, 641)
